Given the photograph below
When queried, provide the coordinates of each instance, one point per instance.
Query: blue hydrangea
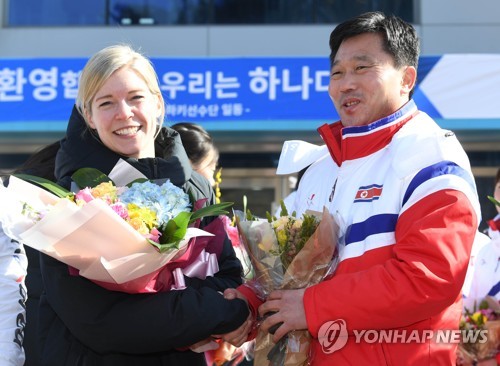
(167, 200)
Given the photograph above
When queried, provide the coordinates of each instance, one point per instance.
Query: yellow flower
(479, 318)
(218, 181)
(147, 216)
(218, 176)
(282, 238)
(138, 225)
(105, 191)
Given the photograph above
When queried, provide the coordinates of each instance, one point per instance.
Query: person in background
(289, 200)
(13, 264)
(22, 280)
(204, 157)
(486, 270)
(494, 223)
(118, 115)
(200, 149)
(407, 206)
(483, 275)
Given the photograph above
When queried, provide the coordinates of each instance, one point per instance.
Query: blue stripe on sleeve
(436, 170)
(377, 224)
(494, 290)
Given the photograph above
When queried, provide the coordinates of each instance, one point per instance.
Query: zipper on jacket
(155, 168)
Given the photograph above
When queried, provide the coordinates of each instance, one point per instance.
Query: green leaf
(45, 183)
(173, 232)
(89, 177)
(182, 222)
(250, 216)
(138, 180)
(212, 210)
(284, 210)
(492, 199)
(191, 195)
(162, 248)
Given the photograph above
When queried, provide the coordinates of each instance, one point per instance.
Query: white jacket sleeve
(13, 265)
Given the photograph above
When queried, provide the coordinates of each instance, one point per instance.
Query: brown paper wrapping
(312, 264)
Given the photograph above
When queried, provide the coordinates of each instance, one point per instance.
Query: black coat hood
(82, 148)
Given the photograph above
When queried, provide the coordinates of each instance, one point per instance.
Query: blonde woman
(118, 115)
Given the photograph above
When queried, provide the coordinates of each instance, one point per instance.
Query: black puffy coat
(84, 324)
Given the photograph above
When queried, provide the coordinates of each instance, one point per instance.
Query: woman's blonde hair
(103, 64)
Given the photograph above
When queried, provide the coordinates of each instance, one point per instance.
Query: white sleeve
(13, 265)
(480, 241)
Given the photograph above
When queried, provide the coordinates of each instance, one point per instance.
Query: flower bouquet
(136, 237)
(482, 325)
(288, 253)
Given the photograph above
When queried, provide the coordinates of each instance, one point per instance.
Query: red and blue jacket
(409, 212)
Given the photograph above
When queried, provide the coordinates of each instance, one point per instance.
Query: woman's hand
(239, 336)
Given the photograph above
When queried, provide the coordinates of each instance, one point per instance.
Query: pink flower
(120, 209)
(84, 195)
(232, 231)
(154, 235)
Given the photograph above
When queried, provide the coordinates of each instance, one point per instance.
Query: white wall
(446, 26)
(179, 41)
(460, 26)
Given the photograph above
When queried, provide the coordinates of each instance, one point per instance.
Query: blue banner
(239, 93)
(197, 90)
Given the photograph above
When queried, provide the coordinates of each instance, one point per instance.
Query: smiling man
(407, 200)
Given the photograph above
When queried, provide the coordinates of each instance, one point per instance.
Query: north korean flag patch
(368, 193)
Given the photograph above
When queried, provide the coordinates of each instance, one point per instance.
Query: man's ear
(409, 79)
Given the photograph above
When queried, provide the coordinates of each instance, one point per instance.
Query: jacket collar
(80, 148)
(348, 143)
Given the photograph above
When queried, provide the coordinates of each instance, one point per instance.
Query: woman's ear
(88, 118)
(161, 107)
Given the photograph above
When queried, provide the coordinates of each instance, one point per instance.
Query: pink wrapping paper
(99, 245)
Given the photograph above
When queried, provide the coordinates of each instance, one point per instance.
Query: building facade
(240, 29)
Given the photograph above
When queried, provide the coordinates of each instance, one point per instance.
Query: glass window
(150, 12)
(161, 12)
(263, 11)
(401, 8)
(336, 11)
(56, 12)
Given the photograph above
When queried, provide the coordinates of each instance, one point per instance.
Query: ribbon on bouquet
(205, 265)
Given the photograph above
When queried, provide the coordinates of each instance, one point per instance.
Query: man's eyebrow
(364, 58)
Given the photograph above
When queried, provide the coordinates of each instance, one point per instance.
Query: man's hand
(288, 308)
(239, 336)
